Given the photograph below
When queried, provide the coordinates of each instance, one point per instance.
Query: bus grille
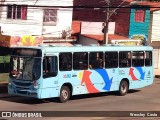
(22, 84)
(22, 92)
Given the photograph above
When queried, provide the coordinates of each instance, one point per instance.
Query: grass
(3, 77)
(5, 59)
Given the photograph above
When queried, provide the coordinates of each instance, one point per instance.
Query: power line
(84, 6)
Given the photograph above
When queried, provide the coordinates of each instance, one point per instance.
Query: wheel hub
(65, 94)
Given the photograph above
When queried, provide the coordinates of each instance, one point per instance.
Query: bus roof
(91, 48)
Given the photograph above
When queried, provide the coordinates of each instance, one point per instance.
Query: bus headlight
(10, 84)
(35, 86)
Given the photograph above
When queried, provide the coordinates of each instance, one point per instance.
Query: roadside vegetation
(4, 68)
(3, 77)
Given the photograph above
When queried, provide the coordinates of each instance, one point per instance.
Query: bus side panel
(138, 76)
(48, 92)
(89, 81)
(92, 81)
(74, 78)
(102, 79)
(49, 88)
(131, 75)
(148, 77)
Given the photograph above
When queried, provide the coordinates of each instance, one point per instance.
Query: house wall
(31, 26)
(89, 14)
(95, 28)
(156, 58)
(34, 23)
(64, 23)
(139, 28)
(155, 30)
(154, 35)
(121, 17)
(122, 20)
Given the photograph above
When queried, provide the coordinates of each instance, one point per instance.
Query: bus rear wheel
(64, 94)
(123, 88)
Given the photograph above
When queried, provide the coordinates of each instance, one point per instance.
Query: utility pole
(109, 13)
(105, 40)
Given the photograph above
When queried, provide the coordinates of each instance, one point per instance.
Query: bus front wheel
(64, 94)
(123, 88)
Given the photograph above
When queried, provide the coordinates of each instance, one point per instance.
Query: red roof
(148, 3)
(153, 5)
(128, 0)
(110, 37)
(76, 26)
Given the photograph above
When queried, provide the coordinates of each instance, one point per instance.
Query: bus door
(50, 76)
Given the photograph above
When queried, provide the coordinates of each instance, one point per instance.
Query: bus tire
(64, 94)
(123, 88)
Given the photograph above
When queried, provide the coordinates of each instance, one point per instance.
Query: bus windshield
(25, 68)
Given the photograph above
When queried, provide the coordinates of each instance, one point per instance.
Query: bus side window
(137, 58)
(125, 59)
(80, 60)
(111, 59)
(49, 66)
(96, 60)
(65, 61)
(148, 58)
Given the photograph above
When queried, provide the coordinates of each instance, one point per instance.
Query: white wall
(31, 26)
(64, 23)
(155, 33)
(96, 28)
(34, 25)
(156, 58)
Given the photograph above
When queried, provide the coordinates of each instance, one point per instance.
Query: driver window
(49, 66)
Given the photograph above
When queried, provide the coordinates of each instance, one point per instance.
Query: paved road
(145, 99)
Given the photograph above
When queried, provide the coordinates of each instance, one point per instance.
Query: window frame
(54, 16)
(17, 12)
(139, 15)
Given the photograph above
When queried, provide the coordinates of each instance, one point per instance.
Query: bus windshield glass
(25, 64)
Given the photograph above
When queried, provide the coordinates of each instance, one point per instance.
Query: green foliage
(4, 59)
(138, 37)
(4, 77)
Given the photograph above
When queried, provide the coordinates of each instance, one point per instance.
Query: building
(93, 17)
(46, 20)
(144, 24)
